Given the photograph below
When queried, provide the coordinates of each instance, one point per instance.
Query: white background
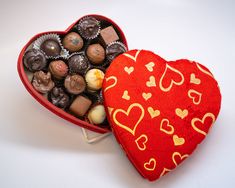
(39, 149)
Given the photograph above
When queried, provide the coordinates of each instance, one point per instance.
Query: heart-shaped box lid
(40, 98)
(159, 110)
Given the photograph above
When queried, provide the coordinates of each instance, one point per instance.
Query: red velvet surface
(159, 111)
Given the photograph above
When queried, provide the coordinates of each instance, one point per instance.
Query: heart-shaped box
(40, 98)
(159, 110)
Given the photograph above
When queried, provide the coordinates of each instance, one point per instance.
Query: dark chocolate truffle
(77, 64)
(75, 84)
(34, 60)
(42, 81)
(89, 27)
(58, 69)
(114, 49)
(51, 47)
(73, 42)
(95, 53)
(59, 98)
(80, 105)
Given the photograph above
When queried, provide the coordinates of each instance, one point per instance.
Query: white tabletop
(39, 149)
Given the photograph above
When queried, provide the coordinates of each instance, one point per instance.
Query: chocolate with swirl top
(115, 49)
(34, 60)
(42, 81)
(89, 27)
(59, 98)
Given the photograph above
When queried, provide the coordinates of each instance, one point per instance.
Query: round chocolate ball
(75, 84)
(34, 60)
(51, 47)
(78, 64)
(95, 53)
(73, 42)
(96, 114)
(94, 79)
(89, 27)
(58, 69)
(115, 49)
(59, 98)
(42, 81)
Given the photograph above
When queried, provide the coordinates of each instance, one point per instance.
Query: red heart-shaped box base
(40, 97)
(159, 110)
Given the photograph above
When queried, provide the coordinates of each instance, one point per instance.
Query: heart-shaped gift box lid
(159, 110)
(40, 98)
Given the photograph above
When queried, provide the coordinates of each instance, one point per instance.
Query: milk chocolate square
(109, 35)
(80, 106)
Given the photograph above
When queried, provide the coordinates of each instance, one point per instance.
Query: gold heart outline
(204, 71)
(132, 131)
(144, 142)
(165, 171)
(168, 125)
(178, 154)
(112, 85)
(197, 93)
(172, 81)
(134, 58)
(202, 121)
(151, 160)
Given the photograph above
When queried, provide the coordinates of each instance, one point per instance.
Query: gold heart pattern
(126, 95)
(151, 82)
(146, 96)
(150, 66)
(172, 80)
(129, 70)
(141, 142)
(163, 108)
(153, 113)
(150, 165)
(126, 113)
(181, 113)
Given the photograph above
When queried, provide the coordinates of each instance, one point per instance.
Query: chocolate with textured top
(95, 53)
(75, 84)
(89, 27)
(34, 60)
(51, 48)
(73, 42)
(115, 49)
(59, 98)
(80, 105)
(77, 64)
(42, 81)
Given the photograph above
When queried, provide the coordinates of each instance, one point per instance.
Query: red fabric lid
(159, 110)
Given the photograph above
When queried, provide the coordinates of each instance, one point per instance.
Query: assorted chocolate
(69, 69)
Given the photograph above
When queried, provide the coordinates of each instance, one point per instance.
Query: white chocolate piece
(97, 114)
(94, 79)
